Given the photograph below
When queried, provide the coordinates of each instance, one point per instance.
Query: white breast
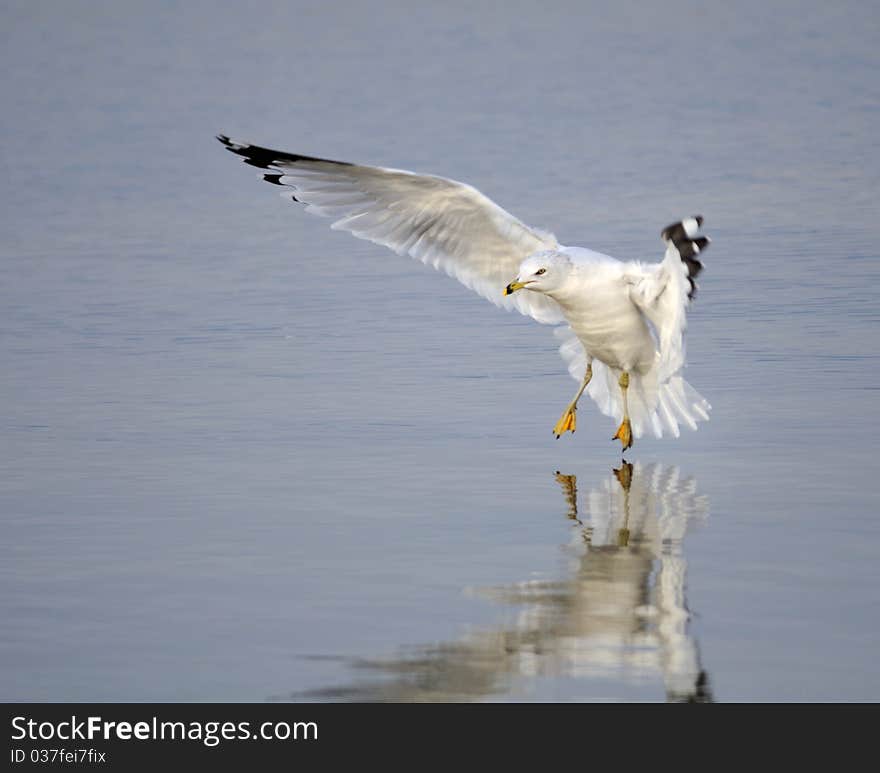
(597, 305)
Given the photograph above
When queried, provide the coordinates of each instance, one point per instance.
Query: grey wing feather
(443, 223)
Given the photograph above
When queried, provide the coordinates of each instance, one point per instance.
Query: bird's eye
(540, 271)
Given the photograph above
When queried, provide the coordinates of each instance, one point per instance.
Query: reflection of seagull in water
(630, 615)
(621, 614)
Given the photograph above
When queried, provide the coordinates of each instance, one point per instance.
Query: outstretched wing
(443, 223)
(664, 291)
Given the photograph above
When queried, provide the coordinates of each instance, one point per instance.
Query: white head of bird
(543, 272)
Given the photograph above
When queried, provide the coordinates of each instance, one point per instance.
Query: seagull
(621, 323)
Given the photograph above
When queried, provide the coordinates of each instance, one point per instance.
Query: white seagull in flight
(622, 322)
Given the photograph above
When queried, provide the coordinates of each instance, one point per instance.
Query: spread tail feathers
(658, 407)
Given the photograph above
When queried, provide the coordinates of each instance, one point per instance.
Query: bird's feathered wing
(659, 400)
(443, 223)
(664, 291)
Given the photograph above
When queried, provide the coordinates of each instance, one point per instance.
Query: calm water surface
(246, 458)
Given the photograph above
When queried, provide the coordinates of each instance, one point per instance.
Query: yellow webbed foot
(568, 423)
(624, 434)
(624, 475)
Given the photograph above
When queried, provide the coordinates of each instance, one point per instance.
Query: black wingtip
(694, 268)
(690, 248)
(266, 158)
(683, 229)
(683, 235)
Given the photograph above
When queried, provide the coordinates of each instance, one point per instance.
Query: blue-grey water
(244, 457)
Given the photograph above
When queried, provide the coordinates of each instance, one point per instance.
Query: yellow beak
(513, 287)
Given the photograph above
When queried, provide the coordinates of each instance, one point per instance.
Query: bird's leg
(568, 422)
(624, 476)
(569, 488)
(624, 431)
